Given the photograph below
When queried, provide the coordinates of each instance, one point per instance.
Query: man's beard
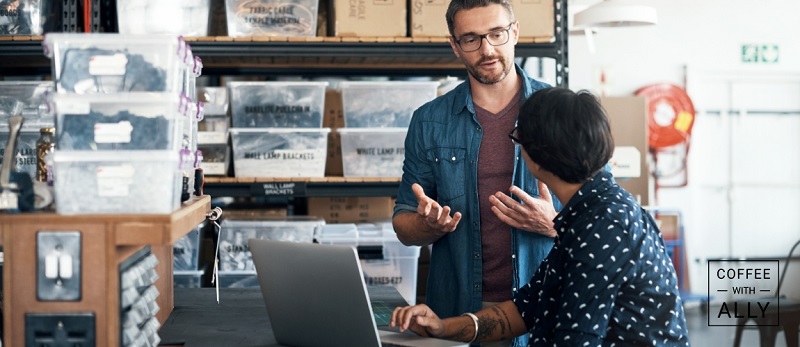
(484, 79)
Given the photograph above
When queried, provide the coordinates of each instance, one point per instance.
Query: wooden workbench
(106, 242)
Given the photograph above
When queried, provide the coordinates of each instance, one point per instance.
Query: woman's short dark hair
(566, 133)
(458, 5)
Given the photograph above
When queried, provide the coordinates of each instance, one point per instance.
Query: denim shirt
(441, 154)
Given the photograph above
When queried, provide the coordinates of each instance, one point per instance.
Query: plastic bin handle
(370, 252)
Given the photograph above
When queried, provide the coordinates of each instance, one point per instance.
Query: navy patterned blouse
(608, 280)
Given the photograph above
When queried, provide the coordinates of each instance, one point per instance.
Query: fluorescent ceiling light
(615, 13)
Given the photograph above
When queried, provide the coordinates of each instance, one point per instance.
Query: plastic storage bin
(219, 134)
(28, 99)
(26, 17)
(113, 63)
(279, 152)
(238, 279)
(214, 99)
(271, 17)
(146, 121)
(384, 260)
(372, 152)
(383, 104)
(26, 151)
(277, 104)
(234, 252)
(119, 182)
(181, 17)
(215, 159)
(187, 279)
(186, 251)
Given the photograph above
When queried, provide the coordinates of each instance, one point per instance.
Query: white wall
(743, 195)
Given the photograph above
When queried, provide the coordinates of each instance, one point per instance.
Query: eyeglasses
(513, 138)
(471, 43)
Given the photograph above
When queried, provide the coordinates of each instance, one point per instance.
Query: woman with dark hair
(608, 281)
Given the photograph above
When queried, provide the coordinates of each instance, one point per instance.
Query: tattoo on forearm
(464, 334)
(487, 326)
(500, 312)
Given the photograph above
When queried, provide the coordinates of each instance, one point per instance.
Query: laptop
(316, 296)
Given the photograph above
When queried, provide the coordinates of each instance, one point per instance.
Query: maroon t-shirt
(495, 170)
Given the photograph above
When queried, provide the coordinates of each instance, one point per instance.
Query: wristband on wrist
(475, 321)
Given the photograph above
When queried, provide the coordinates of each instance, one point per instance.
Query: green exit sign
(760, 53)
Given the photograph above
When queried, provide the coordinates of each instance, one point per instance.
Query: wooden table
(106, 242)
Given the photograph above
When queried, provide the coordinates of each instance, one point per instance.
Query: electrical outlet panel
(58, 266)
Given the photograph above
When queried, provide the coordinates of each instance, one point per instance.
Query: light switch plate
(62, 250)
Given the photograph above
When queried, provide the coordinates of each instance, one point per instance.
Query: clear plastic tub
(214, 99)
(116, 182)
(146, 121)
(388, 104)
(376, 152)
(28, 99)
(187, 279)
(279, 152)
(384, 259)
(26, 151)
(103, 63)
(23, 17)
(186, 251)
(177, 17)
(272, 17)
(238, 279)
(234, 252)
(277, 104)
(215, 159)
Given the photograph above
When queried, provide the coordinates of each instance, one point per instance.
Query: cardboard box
(333, 118)
(627, 116)
(536, 18)
(428, 18)
(368, 18)
(351, 209)
(669, 224)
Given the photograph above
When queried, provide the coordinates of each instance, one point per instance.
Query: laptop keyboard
(382, 313)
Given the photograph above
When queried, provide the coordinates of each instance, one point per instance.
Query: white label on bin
(108, 65)
(211, 137)
(282, 163)
(73, 107)
(113, 132)
(380, 151)
(114, 180)
(288, 18)
(213, 168)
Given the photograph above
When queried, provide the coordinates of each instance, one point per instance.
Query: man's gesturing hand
(533, 214)
(434, 215)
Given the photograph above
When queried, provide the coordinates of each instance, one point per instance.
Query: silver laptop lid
(315, 294)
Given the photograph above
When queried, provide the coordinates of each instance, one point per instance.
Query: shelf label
(280, 188)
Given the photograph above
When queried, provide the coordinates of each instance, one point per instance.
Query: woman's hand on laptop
(419, 319)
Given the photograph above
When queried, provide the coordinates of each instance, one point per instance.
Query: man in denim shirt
(465, 189)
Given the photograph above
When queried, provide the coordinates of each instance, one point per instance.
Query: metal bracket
(214, 214)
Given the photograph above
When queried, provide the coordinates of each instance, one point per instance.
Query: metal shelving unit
(315, 56)
(300, 187)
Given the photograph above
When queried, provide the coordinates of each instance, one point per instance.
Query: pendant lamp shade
(615, 13)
